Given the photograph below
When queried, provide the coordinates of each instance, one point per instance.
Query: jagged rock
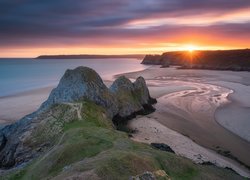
(162, 147)
(159, 174)
(35, 133)
(144, 176)
(142, 93)
(133, 98)
(3, 140)
(82, 83)
(124, 90)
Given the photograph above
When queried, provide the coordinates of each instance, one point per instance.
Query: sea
(20, 75)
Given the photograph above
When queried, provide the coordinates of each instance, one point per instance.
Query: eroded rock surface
(35, 133)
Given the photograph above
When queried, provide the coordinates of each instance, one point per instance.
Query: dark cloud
(65, 21)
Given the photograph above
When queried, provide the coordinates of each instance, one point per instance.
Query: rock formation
(162, 147)
(133, 98)
(39, 131)
(81, 84)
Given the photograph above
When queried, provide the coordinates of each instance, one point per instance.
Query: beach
(192, 114)
(194, 107)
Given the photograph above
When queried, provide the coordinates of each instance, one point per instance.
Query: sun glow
(191, 48)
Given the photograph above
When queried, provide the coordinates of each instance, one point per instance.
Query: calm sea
(19, 75)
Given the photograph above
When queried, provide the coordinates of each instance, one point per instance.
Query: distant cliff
(89, 56)
(237, 60)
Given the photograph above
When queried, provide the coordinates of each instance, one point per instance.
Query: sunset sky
(29, 28)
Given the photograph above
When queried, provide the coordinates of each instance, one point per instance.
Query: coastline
(237, 111)
(14, 107)
(212, 135)
(160, 87)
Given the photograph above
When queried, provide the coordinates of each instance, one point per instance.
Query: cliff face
(238, 60)
(81, 84)
(152, 59)
(37, 132)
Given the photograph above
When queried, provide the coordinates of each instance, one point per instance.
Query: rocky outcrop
(162, 147)
(3, 140)
(144, 176)
(160, 174)
(132, 97)
(35, 133)
(81, 84)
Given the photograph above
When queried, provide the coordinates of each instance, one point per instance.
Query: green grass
(91, 144)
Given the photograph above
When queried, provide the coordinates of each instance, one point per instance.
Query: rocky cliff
(237, 60)
(37, 132)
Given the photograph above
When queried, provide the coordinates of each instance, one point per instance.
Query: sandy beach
(13, 108)
(197, 110)
(199, 113)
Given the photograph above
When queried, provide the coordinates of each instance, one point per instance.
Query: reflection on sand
(191, 110)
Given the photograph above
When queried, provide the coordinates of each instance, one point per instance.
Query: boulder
(144, 176)
(162, 147)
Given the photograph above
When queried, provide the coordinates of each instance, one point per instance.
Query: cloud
(33, 22)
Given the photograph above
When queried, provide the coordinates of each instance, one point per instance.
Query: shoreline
(16, 106)
(160, 86)
(213, 135)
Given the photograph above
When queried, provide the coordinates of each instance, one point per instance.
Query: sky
(29, 28)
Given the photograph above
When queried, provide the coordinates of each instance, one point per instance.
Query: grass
(92, 145)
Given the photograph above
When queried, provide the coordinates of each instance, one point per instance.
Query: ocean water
(20, 75)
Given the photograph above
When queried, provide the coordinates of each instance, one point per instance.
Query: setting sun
(191, 48)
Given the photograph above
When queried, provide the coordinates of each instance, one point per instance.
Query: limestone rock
(162, 147)
(3, 140)
(79, 84)
(133, 98)
(141, 92)
(144, 176)
(35, 133)
(124, 91)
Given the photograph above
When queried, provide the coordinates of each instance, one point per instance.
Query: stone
(82, 83)
(35, 133)
(162, 147)
(144, 176)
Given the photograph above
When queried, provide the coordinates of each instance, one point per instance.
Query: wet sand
(194, 113)
(13, 108)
